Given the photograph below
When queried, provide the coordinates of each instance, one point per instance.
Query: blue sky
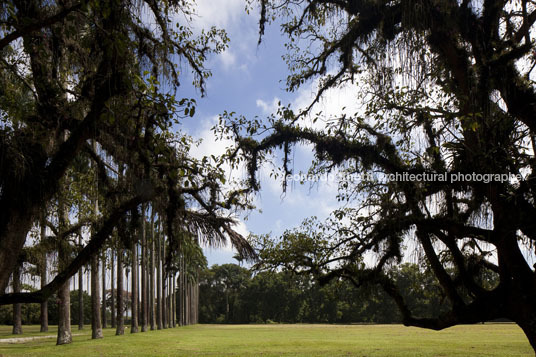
(249, 79)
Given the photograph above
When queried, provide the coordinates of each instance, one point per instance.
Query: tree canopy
(446, 89)
(98, 81)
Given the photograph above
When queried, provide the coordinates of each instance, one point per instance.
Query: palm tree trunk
(126, 294)
(80, 292)
(159, 280)
(164, 304)
(43, 318)
(44, 305)
(104, 324)
(174, 301)
(184, 293)
(112, 290)
(191, 299)
(188, 303)
(96, 328)
(164, 284)
(169, 303)
(196, 300)
(152, 305)
(191, 303)
(143, 273)
(17, 308)
(134, 284)
(181, 294)
(120, 328)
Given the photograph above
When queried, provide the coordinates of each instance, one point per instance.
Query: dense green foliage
(232, 294)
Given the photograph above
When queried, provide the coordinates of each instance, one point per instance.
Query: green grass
(28, 331)
(284, 340)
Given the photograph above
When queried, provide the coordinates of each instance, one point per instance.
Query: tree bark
(64, 296)
(144, 305)
(529, 328)
(96, 328)
(43, 318)
(168, 302)
(164, 284)
(120, 328)
(104, 324)
(112, 289)
(134, 284)
(184, 293)
(197, 299)
(152, 305)
(126, 295)
(17, 308)
(152, 302)
(80, 293)
(174, 302)
(189, 303)
(181, 295)
(64, 315)
(159, 281)
(12, 238)
(171, 304)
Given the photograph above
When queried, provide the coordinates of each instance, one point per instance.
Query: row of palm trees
(163, 286)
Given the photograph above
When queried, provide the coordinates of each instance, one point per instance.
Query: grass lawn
(278, 340)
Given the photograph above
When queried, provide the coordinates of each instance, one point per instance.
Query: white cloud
(228, 59)
(242, 30)
(220, 13)
(334, 102)
(268, 108)
(210, 144)
(241, 228)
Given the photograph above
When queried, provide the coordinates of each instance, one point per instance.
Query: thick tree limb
(26, 30)
(93, 247)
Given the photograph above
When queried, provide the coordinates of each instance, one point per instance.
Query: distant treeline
(232, 294)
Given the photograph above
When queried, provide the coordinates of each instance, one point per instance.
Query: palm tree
(120, 320)
(80, 291)
(96, 328)
(43, 318)
(17, 308)
(152, 304)
(144, 305)
(103, 272)
(112, 292)
(134, 284)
